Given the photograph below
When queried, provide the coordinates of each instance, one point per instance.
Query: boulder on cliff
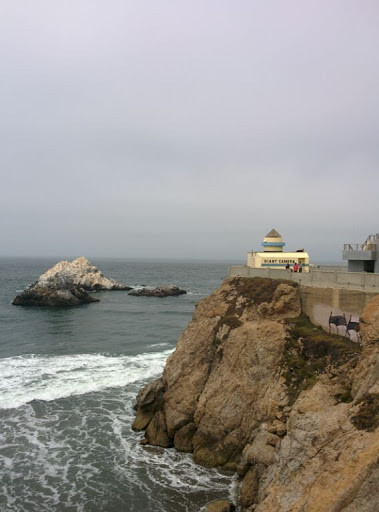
(67, 284)
(254, 386)
(159, 291)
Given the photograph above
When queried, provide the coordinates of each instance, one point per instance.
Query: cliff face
(252, 386)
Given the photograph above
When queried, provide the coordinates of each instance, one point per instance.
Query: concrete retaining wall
(324, 292)
(320, 303)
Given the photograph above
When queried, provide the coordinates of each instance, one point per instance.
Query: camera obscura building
(273, 255)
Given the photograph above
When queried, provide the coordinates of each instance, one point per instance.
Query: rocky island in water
(67, 284)
(254, 387)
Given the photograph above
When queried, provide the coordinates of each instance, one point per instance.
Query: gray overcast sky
(187, 128)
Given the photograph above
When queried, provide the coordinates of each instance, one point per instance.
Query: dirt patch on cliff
(230, 320)
(309, 351)
(258, 289)
(367, 417)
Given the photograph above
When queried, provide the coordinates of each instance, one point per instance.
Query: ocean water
(68, 382)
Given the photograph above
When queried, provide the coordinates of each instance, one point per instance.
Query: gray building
(363, 257)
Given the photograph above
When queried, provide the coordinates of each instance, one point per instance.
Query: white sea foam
(82, 453)
(29, 377)
(141, 287)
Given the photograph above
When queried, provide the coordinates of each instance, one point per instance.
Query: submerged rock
(160, 291)
(253, 386)
(67, 284)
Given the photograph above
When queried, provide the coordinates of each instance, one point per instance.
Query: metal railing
(370, 244)
(353, 247)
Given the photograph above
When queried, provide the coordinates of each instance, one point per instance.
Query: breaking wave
(40, 377)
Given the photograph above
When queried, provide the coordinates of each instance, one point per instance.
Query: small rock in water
(160, 291)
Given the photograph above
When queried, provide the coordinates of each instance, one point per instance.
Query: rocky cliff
(67, 284)
(254, 387)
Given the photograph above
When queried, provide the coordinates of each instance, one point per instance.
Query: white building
(273, 255)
